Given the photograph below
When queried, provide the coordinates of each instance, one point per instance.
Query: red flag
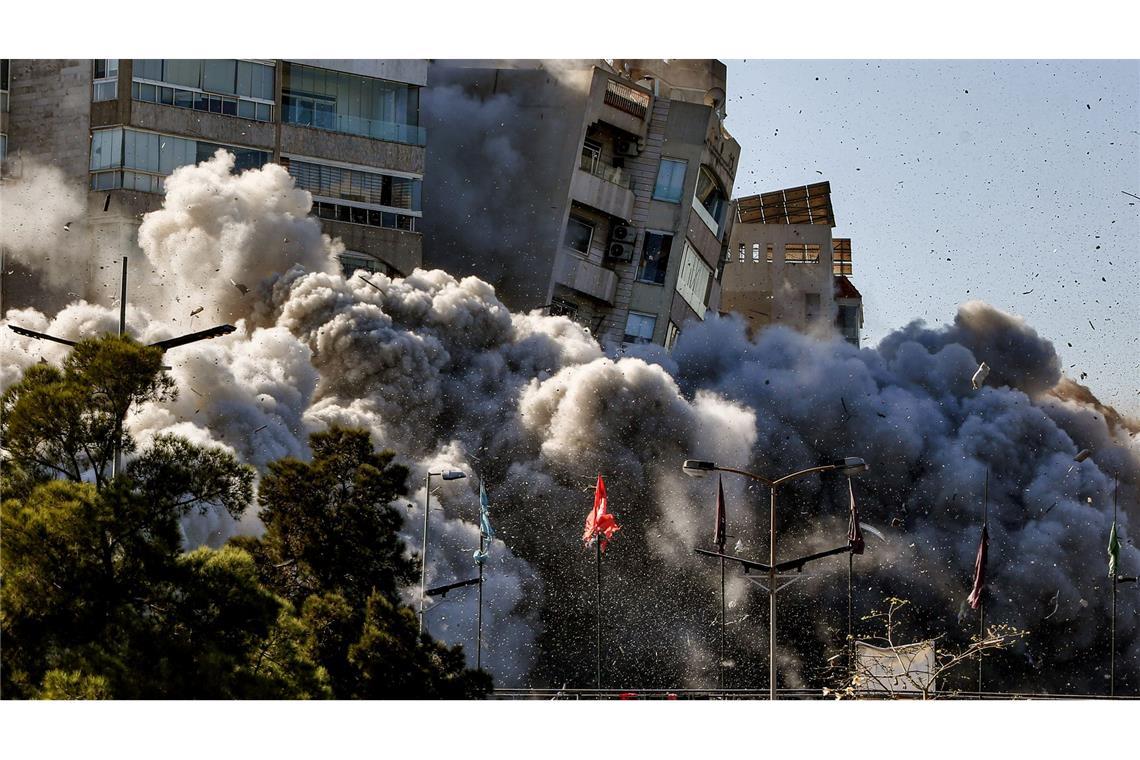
(600, 523)
(854, 532)
(975, 597)
(718, 531)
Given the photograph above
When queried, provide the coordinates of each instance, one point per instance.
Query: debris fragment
(980, 376)
(197, 311)
(239, 286)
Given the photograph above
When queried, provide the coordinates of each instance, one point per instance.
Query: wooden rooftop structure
(809, 204)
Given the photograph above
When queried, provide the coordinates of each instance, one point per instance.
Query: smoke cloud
(438, 369)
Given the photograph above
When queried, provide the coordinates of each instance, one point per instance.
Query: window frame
(680, 186)
(639, 339)
(664, 252)
(592, 226)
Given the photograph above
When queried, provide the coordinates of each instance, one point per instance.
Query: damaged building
(348, 131)
(784, 267)
(595, 189)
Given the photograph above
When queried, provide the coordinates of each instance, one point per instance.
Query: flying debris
(67, 227)
(197, 311)
(239, 286)
(1055, 601)
(980, 376)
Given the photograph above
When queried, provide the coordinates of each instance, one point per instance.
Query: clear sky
(999, 180)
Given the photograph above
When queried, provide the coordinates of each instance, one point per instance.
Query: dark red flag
(718, 532)
(600, 523)
(854, 532)
(975, 597)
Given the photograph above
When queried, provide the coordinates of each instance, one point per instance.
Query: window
(693, 280)
(654, 258)
(3, 147)
(105, 74)
(639, 328)
(579, 233)
(670, 180)
(768, 256)
(672, 332)
(709, 200)
(236, 88)
(801, 253)
(371, 188)
(591, 156)
(351, 103)
(138, 160)
(5, 75)
(755, 253)
(742, 252)
(560, 307)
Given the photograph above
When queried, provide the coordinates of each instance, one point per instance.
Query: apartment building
(608, 199)
(784, 267)
(348, 131)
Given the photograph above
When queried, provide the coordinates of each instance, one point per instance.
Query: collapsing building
(784, 267)
(594, 189)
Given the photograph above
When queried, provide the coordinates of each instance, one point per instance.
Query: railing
(625, 98)
(598, 168)
(309, 113)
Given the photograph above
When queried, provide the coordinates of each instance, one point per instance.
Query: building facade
(611, 202)
(348, 131)
(784, 267)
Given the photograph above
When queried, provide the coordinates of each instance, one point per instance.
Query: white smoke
(437, 369)
(41, 225)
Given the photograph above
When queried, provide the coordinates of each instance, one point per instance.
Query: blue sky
(999, 180)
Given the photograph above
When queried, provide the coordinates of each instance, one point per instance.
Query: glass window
(148, 69)
(639, 328)
(710, 200)
(654, 258)
(183, 72)
(219, 75)
(578, 235)
(106, 149)
(693, 280)
(670, 180)
(350, 103)
(672, 332)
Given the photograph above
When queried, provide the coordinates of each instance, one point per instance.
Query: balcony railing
(592, 165)
(625, 98)
(309, 113)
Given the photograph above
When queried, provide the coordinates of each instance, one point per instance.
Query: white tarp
(908, 668)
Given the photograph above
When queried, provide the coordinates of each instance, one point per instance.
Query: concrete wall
(409, 71)
(398, 248)
(321, 143)
(209, 127)
(49, 114)
(766, 293)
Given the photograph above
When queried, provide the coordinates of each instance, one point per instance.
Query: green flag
(1113, 551)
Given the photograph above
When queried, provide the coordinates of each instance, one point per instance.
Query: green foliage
(98, 598)
(65, 422)
(328, 523)
(71, 684)
(331, 547)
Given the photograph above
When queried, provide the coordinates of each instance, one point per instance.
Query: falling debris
(197, 311)
(67, 227)
(258, 430)
(239, 286)
(980, 376)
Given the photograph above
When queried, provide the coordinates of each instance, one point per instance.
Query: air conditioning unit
(622, 233)
(620, 251)
(626, 147)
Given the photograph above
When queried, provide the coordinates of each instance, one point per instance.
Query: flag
(854, 532)
(486, 532)
(1113, 552)
(718, 531)
(975, 597)
(600, 523)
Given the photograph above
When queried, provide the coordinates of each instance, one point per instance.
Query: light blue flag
(485, 528)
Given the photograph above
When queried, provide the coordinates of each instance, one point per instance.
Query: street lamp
(446, 475)
(849, 466)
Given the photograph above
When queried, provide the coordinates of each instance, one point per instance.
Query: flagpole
(722, 616)
(598, 578)
(981, 596)
(479, 636)
(850, 634)
(1112, 580)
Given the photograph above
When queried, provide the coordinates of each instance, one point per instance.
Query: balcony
(580, 275)
(606, 188)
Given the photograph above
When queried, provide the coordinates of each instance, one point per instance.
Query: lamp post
(849, 466)
(446, 475)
